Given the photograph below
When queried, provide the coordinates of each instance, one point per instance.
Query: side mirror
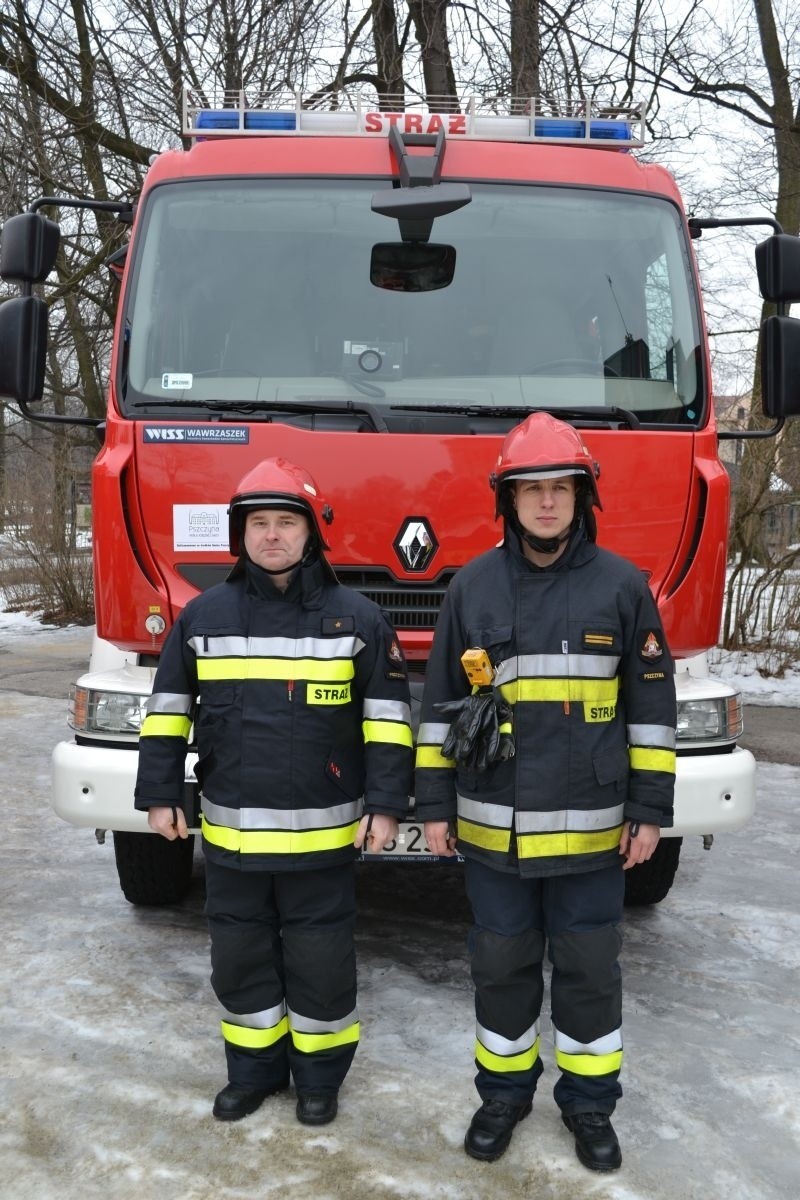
(28, 248)
(778, 267)
(780, 367)
(23, 348)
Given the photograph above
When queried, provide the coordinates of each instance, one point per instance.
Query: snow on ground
(111, 1049)
(112, 1055)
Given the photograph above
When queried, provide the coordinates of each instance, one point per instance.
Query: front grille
(407, 605)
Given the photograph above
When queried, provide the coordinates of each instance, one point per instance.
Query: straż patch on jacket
(652, 676)
(651, 649)
(328, 693)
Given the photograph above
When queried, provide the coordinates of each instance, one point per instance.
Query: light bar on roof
(599, 126)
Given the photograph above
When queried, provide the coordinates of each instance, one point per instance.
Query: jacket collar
(305, 586)
(579, 550)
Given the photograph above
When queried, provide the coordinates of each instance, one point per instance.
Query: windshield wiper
(313, 404)
(589, 415)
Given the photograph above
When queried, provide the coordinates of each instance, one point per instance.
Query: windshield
(259, 291)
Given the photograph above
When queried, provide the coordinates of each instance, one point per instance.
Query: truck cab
(380, 297)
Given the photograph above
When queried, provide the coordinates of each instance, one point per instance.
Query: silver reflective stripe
(276, 647)
(652, 735)
(608, 1044)
(432, 733)
(499, 816)
(307, 1025)
(387, 710)
(557, 666)
(569, 818)
(281, 818)
(169, 702)
(258, 1020)
(500, 1045)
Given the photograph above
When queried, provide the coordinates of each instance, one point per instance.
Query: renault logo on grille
(415, 544)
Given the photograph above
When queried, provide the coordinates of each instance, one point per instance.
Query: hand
(169, 822)
(377, 831)
(638, 849)
(440, 838)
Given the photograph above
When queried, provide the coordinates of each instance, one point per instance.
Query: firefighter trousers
(577, 917)
(283, 968)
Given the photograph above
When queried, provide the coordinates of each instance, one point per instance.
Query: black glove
(474, 740)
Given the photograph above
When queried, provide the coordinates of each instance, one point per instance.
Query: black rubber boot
(596, 1143)
(491, 1128)
(317, 1108)
(234, 1102)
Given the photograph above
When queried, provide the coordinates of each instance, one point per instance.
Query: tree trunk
(430, 26)
(388, 54)
(525, 49)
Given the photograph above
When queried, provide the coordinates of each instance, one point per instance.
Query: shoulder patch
(393, 652)
(651, 649)
(651, 676)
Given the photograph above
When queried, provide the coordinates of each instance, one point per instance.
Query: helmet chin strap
(307, 557)
(545, 545)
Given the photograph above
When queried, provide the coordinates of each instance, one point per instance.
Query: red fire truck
(380, 295)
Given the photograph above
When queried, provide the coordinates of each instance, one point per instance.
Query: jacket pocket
(611, 767)
(494, 639)
(347, 778)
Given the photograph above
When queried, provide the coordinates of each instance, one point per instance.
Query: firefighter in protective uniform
(297, 691)
(579, 660)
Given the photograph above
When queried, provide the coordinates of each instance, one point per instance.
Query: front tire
(151, 869)
(649, 882)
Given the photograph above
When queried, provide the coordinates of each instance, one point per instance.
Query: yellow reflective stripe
(510, 1062)
(505, 727)
(546, 845)
(165, 725)
(481, 835)
(652, 760)
(431, 756)
(291, 841)
(330, 670)
(595, 691)
(387, 731)
(254, 1039)
(309, 1043)
(589, 1064)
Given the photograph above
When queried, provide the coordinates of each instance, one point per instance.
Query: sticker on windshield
(173, 382)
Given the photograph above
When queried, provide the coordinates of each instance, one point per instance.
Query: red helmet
(545, 447)
(276, 483)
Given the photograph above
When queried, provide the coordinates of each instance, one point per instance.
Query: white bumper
(93, 787)
(714, 793)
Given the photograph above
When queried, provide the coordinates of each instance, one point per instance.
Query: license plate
(408, 846)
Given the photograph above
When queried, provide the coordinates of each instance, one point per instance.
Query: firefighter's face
(275, 538)
(545, 507)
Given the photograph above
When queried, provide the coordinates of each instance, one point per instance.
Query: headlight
(714, 720)
(92, 711)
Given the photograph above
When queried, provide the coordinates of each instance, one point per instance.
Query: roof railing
(341, 114)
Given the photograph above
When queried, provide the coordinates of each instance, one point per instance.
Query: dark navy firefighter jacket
(580, 656)
(300, 707)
